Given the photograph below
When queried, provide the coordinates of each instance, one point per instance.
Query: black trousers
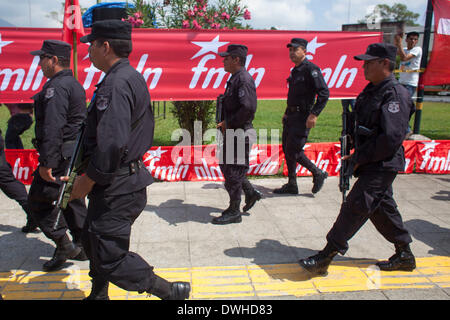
(106, 240)
(235, 165)
(235, 177)
(41, 196)
(370, 198)
(294, 138)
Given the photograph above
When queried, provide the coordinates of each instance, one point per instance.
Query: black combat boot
(99, 290)
(318, 181)
(231, 215)
(318, 264)
(290, 187)
(82, 256)
(402, 260)
(65, 249)
(251, 195)
(166, 290)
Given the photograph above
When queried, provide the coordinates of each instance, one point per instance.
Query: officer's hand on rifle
(347, 157)
(311, 121)
(81, 186)
(46, 174)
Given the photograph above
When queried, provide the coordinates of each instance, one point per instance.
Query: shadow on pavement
(190, 212)
(430, 234)
(18, 285)
(268, 253)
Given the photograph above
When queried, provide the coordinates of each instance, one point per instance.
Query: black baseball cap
(54, 48)
(378, 50)
(109, 29)
(297, 42)
(236, 50)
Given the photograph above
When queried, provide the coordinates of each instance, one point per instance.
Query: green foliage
(396, 12)
(187, 112)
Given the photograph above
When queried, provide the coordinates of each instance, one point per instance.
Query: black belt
(297, 108)
(130, 167)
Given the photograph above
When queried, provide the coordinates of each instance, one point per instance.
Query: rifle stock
(66, 188)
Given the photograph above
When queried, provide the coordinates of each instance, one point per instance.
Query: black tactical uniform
(120, 125)
(239, 107)
(381, 115)
(13, 188)
(60, 109)
(305, 84)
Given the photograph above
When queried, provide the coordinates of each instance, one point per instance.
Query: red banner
(433, 157)
(438, 69)
(185, 65)
(199, 163)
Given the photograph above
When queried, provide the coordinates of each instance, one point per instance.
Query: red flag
(73, 25)
(438, 69)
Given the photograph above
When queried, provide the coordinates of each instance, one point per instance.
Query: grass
(435, 122)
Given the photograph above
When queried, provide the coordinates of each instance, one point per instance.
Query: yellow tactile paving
(237, 281)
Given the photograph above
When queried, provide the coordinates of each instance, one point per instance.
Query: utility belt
(130, 168)
(298, 108)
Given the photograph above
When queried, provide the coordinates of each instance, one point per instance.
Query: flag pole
(75, 54)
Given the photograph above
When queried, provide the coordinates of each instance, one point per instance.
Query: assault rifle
(72, 171)
(346, 169)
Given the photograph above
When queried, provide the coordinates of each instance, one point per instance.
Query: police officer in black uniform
(14, 189)
(305, 84)
(381, 115)
(119, 131)
(60, 109)
(239, 107)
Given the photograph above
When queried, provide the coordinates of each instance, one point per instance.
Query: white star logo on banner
(312, 47)
(155, 154)
(3, 43)
(429, 145)
(208, 46)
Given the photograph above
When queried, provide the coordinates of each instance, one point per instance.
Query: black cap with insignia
(297, 42)
(378, 51)
(109, 29)
(235, 50)
(54, 48)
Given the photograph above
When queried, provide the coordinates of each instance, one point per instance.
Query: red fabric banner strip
(438, 69)
(200, 163)
(185, 65)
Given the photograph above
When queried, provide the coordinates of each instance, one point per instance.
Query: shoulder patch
(50, 92)
(315, 73)
(102, 103)
(241, 93)
(394, 107)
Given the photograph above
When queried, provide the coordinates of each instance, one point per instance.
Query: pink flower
(190, 13)
(138, 15)
(225, 16)
(247, 15)
(185, 24)
(196, 25)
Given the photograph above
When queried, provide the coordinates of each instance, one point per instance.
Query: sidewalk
(256, 259)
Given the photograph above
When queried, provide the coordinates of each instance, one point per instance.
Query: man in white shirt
(410, 58)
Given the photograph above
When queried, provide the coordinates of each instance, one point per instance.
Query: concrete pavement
(255, 259)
